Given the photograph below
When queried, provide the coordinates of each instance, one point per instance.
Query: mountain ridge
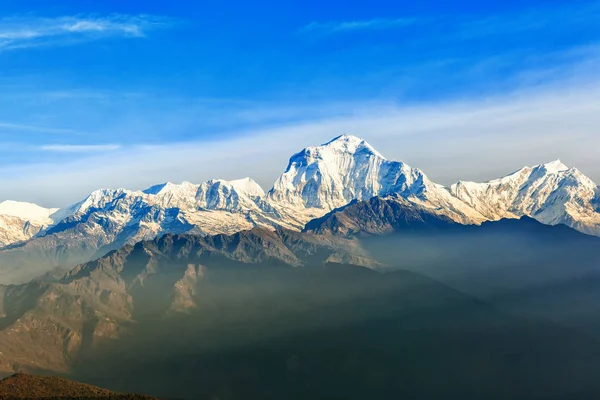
(317, 180)
(270, 283)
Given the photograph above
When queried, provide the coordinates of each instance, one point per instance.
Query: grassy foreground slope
(24, 386)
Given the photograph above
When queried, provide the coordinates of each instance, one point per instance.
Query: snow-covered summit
(26, 211)
(554, 167)
(243, 185)
(173, 188)
(552, 193)
(347, 168)
(349, 144)
(333, 174)
(248, 186)
(20, 221)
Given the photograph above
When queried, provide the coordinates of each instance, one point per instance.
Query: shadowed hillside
(279, 314)
(341, 331)
(23, 386)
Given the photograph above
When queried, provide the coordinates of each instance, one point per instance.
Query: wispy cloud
(332, 27)
(546, 18)
(76, 148)
(497, 135)
(23, 32)
(572, 16)
(34, 129)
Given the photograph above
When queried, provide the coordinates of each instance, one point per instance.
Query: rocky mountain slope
(100, 300)
(496, 256)
(317, 180)
(279, 313)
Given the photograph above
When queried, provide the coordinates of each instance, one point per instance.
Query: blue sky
(130, 93)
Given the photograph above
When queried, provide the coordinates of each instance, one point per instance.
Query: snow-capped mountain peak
(350, 144)
(249, 186)
(172, 188)
(20, 221)
(554, 167)
(26, 211)
(552, 193)
(98, 199)
(331, 175)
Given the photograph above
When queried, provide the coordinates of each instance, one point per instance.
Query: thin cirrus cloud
(76, 148)
(333, 27)
(579, 16)
(24, 32)
(490, 137)
(33, 129)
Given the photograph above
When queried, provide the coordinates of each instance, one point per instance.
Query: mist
(268, 330)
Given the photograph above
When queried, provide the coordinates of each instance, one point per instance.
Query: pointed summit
(347, 168)
(351, 144)
(169, 187)
(249, 186)
(555, 167)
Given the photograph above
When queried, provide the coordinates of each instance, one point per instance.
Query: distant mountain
(263, 314)
(379, 216)
(317, 180)
(338, 331)
(108, 219)
(496, 256)
(551, 193)
(21, 221)
(101, 300)
(347, 168)
(23, 386)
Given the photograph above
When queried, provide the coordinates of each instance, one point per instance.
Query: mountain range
(343, 308)
(317, 180)
(374, 278)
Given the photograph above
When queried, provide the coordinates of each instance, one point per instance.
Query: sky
(97, 94)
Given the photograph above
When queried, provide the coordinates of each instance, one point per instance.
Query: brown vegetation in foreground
(24, 386)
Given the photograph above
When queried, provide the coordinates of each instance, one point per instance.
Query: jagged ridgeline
(317, 180)
(341, 310)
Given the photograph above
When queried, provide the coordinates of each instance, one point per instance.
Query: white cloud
(76, 148)
(475, 139)
(23, 32)
(347, 26)
(547, 18)
(33, 128)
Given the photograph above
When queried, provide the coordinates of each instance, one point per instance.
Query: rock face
(101, 300)
(379, 216)
(317, 180)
